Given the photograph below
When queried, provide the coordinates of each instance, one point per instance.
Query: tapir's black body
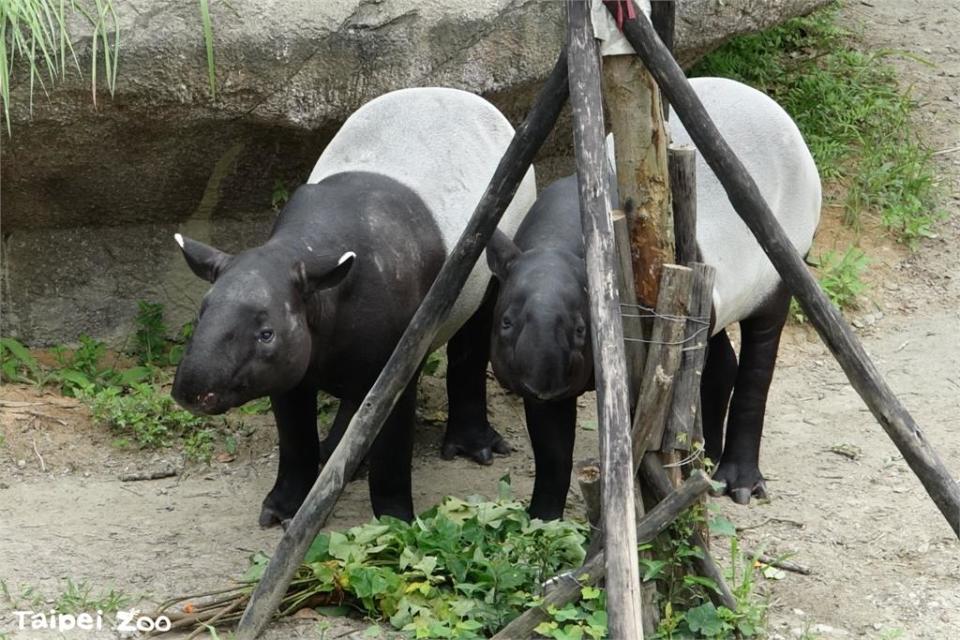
(542, 273)
(353, 313)
(540, 347)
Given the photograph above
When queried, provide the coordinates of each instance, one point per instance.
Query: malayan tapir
(323, 302)
(540, 337)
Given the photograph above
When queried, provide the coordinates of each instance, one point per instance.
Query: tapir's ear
(310, 280)
(205, 261)
(500, 253)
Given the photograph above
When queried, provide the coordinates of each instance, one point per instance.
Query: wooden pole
(613, 411)
(682, 432)
(682, 164)
(663, 359)
(833, 329)
(633, 329)
(408, 354)
(567, 586)
(636, 121)
(663, 15)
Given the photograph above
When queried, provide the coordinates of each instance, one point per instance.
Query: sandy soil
(884, 562)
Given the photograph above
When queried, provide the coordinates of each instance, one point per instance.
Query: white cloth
(612, 40)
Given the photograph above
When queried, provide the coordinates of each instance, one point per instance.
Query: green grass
(851, 112)
(37, 31)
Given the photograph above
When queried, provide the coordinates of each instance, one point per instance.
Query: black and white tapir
(322, 303)
(540, 337)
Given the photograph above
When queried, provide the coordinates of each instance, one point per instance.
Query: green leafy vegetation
(460, 570)
(841, 278)
(152, 346)
(465, 569)
(148, 417)
(686, 610)
(132, 402)
(851, 112)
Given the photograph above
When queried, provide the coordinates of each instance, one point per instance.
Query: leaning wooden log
(408, 354)
(613, 409)
(663, 15)
(656, 480)
(833, 329)
(566, 587)
(663, 359)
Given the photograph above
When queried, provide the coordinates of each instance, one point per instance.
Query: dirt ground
(884, 562)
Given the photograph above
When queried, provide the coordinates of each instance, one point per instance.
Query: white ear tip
(349, 255)
(179, 239)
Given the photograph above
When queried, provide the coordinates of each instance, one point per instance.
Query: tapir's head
(540, 344)
(252, 337)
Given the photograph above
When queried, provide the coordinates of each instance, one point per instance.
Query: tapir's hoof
(740, 482)
(270, 517)
(501, 446)
(482, 456)
(495, 444)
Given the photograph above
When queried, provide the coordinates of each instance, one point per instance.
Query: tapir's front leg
(391, 459)
(468, 431)
(552, 426)
(345, 413)
(296, 416)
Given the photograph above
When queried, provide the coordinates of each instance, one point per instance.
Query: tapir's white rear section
(770, 146)
(445, 145)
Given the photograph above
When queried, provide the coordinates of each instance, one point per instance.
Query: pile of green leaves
(851, 112)
(461, 570)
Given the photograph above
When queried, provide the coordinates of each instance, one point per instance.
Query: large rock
(92, 195)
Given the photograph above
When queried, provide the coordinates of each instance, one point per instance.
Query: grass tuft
(853, 115)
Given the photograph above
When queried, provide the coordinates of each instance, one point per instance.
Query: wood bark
(636, 121)
(663, 359)
(408, 354)
(833, 329)
(633, 329)
(613, 411)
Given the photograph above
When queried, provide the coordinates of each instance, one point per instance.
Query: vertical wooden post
(633, 329)
(682, 166)
(636, 120)
(619, 527)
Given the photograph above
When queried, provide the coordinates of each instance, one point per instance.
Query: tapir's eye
(505, 323)
(581, 330)
(265, 336)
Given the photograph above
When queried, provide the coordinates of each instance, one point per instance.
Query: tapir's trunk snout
(544, 374)
(193, 391)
